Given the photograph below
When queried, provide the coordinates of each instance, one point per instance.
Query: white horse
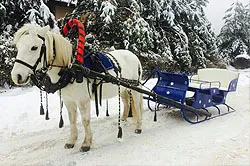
(29, 40)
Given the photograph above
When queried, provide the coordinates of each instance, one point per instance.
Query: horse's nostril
(19, 77)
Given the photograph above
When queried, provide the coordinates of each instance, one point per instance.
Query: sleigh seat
(211, 86)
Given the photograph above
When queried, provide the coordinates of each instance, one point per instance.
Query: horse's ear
(24, 30)
(44, 30)
(17, 36)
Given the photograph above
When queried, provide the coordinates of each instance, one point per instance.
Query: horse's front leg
(84, 108)
(71, 107)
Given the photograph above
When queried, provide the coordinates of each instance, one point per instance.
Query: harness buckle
(49, 67)
(45, 69)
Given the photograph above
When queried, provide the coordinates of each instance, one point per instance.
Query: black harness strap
(117, 68)
(94, 90)
(97, 62)
(45, 83)
(88, 86)
(25, 64)
(100, 95)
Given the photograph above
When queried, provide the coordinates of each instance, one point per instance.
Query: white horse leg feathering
(29, 41)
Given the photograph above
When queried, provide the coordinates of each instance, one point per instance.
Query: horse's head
(28, 40)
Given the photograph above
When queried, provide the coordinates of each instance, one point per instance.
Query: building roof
(69, 2)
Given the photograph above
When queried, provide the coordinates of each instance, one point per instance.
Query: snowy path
(27, 139)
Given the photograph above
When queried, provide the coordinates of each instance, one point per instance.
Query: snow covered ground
(27, 139)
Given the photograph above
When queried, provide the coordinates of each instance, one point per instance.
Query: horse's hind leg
(125, 100)
(137, 108)
(85, 114)
(71, 107)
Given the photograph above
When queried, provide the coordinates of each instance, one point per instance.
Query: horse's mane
(62, 46)
(63, 49)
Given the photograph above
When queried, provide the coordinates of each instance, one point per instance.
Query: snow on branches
(108, 10)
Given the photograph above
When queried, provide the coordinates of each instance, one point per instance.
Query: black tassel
(61, 123)
(97, 108)
(107, 108)
(156, 108)
(41, 103)
(100, 95)
(47, 107)
(119, 132)
(130, 114)
(41, 110)
(155, 117)
(47, 115)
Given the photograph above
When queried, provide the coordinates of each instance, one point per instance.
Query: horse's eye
(34, 48)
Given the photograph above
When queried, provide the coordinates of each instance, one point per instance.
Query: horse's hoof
(84, 148)
(69, 146)
(138, 131)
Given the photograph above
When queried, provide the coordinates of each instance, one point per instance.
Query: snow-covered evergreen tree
(2, 13)
(24, 11)
(202, 40)
(170, 33)
(189, 34)
(7, 54)
(13, 14)
(173, 35)
(234, 36)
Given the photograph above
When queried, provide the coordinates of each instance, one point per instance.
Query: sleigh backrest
(226, 79)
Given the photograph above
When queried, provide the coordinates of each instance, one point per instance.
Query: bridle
(40, 77)
(46, 66)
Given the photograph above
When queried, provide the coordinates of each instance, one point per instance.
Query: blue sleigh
(209, 88)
